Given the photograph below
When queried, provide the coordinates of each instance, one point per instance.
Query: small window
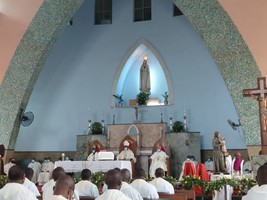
(142, 10)
(176, 11)
(103, 11)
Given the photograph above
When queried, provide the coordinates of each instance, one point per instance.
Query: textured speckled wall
(225, 44)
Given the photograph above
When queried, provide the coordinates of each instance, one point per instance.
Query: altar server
(113, 181)
(85, 187)
(36, 166)
(126, 188)
(160, 184)
(145, 189)
(14, 190)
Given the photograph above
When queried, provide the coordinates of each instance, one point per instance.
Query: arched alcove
(126, 82)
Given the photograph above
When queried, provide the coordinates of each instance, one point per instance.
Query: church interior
(68, 69)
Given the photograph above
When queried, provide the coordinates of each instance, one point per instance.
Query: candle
(102, 115)
(89, 114)
(170, 112)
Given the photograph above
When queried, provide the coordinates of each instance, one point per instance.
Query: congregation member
(64, 188)
(105, 187)
(145, 189)
(126, 188)
(85, 187)
(127, 153)
(36, 166)
(47, 188)
(8, 165)
(259, 192)
(160, 184)
(158, 160)
(28, 181)
(14, 190)
(113, 181)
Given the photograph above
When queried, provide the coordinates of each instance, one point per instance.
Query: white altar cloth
(94, 166)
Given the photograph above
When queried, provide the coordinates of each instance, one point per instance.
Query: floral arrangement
(142, 98)
(96, 128)
(3, 180)
(239, 185)
(178, 127)
(98, 179)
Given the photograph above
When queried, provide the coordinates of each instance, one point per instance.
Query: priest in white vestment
(85, 187)
(160, 184)
(93, 156)
(127, 153)
(36, 166)
(259, 192)
(14, 190)
(28, 181)
(145, 189)
(158, 160)
(47, 168)
(113, 181)
(209, 165)
(126, 188)
(8, 165)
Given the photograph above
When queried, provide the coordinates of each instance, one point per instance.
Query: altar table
(94, 166)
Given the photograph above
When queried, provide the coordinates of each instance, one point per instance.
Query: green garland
(239, 185)
(3, 180)
(178, 127)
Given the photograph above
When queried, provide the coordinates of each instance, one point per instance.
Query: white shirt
(228, 163)
(209, 165)
(158, 159)
(130, 192)
(162, 185)
(86, 188)
(57, 197)
(220, 195)
(112, 194)
(31, 186)
(126, 155)
(7, 167)
(36, 167)
(145, 189)
(258, 193)
(16, 191)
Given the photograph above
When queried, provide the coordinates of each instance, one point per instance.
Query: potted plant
(119, 99)
(97, 128)
(142, 98)
(178, 127)
(166, 97)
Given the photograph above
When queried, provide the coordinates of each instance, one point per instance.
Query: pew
(191, 195)
(86, 198)
(175, 196)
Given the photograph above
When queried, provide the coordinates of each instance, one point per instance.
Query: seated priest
(93, 155)
(127, 153)
(158, 160)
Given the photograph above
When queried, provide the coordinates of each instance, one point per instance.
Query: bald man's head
(65, 186)
(113, 179)
(125, 175)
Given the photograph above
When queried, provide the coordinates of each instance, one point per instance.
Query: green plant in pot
(142, 98)
(97, 128)
(166, 97)
(119, 99)
(178, 127)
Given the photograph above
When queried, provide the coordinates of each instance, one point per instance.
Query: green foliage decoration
(98, 179)
(3, 180)
(142, 98)
(178, 127)
(96, 128)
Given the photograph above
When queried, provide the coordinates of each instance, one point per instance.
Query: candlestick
(89, 114)
(63, 156)
(170, 123)
(160, 132)
(113, 121)
(103, 126)
(89, 126)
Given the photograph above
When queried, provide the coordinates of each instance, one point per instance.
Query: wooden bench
(86, 198)
(172, 196)
(189, 193)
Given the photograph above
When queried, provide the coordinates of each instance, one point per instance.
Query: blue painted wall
(80, 71)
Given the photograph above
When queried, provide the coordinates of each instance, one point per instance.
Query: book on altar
(105, 155)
